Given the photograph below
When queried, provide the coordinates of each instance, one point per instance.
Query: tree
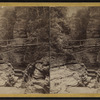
(82, 23)
(9, 15)
(59, 29)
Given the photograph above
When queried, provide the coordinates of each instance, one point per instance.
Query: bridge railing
(81, 43)
(35, 41)
(19, 42)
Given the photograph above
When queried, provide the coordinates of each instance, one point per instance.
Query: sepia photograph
(49, 50)
(24, 50)
(75, 50)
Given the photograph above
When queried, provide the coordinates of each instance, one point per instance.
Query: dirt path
(11, 90)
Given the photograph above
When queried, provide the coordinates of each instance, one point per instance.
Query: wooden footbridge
(14, 44)
(91, 42)
(34, 41)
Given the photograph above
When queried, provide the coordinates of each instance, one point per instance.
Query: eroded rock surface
(68, 79)
(5, 70)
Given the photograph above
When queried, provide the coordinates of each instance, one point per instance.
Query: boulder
(5, 70)
(92, 83)
(70, 81)
(36, 89)
(18, 83)
(2, 82)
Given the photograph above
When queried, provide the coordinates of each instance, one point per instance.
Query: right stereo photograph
(74, 50)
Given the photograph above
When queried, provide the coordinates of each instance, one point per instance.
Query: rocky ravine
(65, 79)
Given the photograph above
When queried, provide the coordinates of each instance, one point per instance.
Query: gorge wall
(84, 24)
(48, 25)
(25, 22)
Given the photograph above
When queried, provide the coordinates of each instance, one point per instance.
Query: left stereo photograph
(24, 50)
